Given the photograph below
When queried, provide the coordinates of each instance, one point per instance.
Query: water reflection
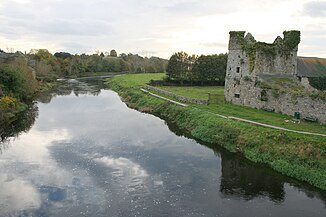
(243, 179)
(17, 194)
(24, 120)
(83, 86)
(22, 123)
(92, 156)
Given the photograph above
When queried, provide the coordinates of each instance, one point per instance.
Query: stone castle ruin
(272, 77)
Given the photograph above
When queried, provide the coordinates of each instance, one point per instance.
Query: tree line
(194, 70)
(49, 67)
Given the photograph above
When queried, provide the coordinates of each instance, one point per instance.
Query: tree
(16, 79)
(47, 65)
(179, 66)
(45, 55)
(44, 71)
(113, 53)
(211, 68)
(62, 55)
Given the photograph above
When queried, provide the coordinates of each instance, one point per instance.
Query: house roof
(311, 67)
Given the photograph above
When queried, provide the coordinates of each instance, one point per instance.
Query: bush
(17, 80)
(319, 83)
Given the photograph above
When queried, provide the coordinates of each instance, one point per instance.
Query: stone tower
(248, 60)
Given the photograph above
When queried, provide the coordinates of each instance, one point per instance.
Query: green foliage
(268, 49)
(45, 55)
(318, 82)
(196, 92)
(19, 119)
(283, 85)
(247, 78)
(49, 67)
(17, 80)
(204, 69)
(263, 96)
(113, 53)
(9, 108)
(250, 49)
(318, 95)
(291, 39)
(180, 66)
(237, 35)
(62, 55)
(210, 68)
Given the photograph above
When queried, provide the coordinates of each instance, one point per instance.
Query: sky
(156, 27)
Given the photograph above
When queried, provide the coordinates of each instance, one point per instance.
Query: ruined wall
(276, 63)
(252, 57)
(305, 82)
(249, 61)
(250, 94)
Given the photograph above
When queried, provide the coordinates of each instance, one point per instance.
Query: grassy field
(228, 109)
(137, 81)
(300, 156)
(197, 92)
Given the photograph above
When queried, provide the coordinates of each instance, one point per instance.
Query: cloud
(74, 27)
(123, 167)
(315, 9)
(17, 195)
(163, 26)
(75, 47)
(213, 44)
(195, 7)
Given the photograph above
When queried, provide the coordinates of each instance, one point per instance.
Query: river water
(88, 154)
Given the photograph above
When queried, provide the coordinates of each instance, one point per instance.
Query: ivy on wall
(289, 42)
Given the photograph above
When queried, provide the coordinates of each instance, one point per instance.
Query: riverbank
(299, 156)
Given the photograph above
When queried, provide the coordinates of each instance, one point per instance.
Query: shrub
(319, 83)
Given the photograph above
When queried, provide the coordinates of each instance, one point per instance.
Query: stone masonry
(252, 64)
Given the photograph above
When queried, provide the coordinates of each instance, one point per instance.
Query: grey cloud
(128, 25)
(197, 7)
(79, 27)
(214, 44)
(146, 53)
(315, 9)
(74, 27)
(55, 17)
(75, 47)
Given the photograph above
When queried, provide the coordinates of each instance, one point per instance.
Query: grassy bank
(252, 114)
(300, 156)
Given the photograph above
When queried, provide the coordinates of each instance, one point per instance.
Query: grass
(252, 114)
(137, 81)
(299, 156)
(261, 116)
(197, 92)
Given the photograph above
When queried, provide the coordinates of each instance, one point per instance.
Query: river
(88, 154)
